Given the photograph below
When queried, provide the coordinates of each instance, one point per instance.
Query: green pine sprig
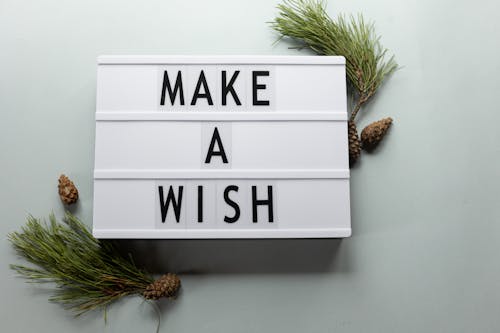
(367, 64)
(89, 273)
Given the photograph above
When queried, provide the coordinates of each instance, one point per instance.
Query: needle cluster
(89, 273)
(367, 63)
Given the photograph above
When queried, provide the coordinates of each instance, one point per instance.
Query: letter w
(170, 198)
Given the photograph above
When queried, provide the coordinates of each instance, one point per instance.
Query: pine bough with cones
(89, 273)
(307, 22)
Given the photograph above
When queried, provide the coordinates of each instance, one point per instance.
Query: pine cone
(67, 190)
(374, 133)
(354, 143)
(166, 286)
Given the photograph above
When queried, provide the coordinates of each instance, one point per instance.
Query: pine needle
(367, 64)
(88, 273)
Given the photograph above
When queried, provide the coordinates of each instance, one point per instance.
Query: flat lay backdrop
(424, 256)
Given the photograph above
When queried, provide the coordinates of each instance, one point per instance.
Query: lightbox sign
(221, 147)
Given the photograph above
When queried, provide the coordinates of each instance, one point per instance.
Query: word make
(173, 90)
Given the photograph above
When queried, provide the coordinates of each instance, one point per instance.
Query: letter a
(211, 152)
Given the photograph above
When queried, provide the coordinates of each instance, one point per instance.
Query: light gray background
(424, 256)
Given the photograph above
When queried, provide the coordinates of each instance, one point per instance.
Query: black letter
(172, 94)
(232, 204)
(256, 86)
(196, 95)
(200, 204)
(211, 152)
(229, 88)
(268, 203)
(170, 197)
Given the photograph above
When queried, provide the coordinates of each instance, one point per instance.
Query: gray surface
(424, 255)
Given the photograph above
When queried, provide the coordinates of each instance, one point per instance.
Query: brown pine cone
(354, 143)
(374, 133)
(166, 286)
(67, 190)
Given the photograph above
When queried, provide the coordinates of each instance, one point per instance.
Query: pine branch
(89, 274)
(367, 64)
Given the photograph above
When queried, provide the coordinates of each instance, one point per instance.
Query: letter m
(167, 87)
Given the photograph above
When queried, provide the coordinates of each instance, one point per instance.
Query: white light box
(221, 147)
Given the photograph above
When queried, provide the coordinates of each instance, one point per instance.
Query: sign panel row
(228, 145)
(172, 207)
(302, 85)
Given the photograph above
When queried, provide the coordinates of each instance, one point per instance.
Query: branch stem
(363, 98)
(355, 111)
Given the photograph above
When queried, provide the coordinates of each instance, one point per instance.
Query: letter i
(200, 204)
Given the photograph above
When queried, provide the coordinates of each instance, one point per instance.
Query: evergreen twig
(89, 274)
(366, 60)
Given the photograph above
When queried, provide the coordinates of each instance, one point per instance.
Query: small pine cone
(67, 190)
(354, 143)
(166, 286)
(374, 133)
